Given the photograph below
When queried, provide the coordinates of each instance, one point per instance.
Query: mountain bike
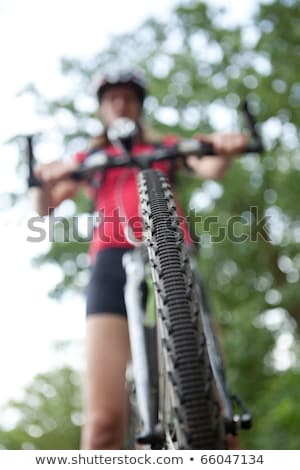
(179, 396)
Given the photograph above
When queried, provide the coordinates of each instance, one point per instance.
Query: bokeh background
(202, 59)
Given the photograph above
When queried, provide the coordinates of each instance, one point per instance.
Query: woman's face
(120, 101)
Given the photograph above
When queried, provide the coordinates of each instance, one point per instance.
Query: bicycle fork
(233, 421)
(133, 264)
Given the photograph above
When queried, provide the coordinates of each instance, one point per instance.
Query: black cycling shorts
(105, 292)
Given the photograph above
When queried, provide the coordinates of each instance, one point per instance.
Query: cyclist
(107, 343)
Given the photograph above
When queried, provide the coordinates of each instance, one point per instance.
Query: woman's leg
(105, 396)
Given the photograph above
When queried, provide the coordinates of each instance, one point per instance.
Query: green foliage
(276, 414)
(49, 414)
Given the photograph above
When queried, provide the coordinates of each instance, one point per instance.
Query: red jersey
(116, 200)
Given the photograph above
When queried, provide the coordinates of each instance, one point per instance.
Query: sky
(34, 35)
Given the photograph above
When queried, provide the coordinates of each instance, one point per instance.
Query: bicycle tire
(198, 423)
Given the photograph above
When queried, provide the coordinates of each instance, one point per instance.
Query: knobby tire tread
(198, 414)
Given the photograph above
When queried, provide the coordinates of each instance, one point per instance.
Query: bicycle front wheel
(189, 410)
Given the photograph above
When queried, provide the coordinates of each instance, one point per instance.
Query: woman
(107, 343)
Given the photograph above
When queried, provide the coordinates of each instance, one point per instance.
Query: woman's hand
(226, 146)
(52, 173)
(56, 187)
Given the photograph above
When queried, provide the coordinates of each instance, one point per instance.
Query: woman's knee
(103, 432)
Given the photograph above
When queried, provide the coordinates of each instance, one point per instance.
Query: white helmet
(104, 81)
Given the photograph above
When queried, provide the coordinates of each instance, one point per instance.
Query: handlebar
(99, 160)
